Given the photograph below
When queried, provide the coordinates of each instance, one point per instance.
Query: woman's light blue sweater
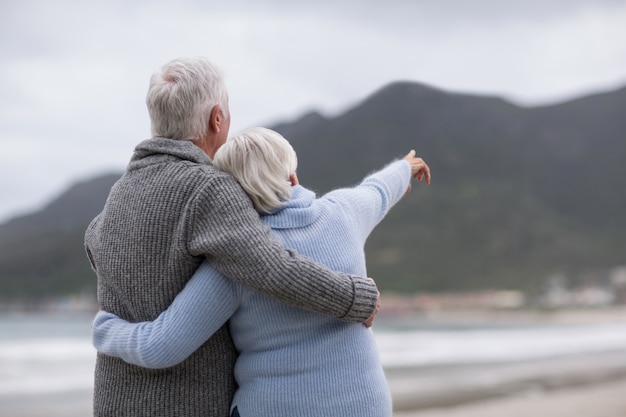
(291, 362)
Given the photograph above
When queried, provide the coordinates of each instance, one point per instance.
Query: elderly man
(171, 210)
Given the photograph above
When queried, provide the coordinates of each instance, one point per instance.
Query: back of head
(181, 96)
(262, 161)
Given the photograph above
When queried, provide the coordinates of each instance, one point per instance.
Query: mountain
(41, 254)
(518, 194)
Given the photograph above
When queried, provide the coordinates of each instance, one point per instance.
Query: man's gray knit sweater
(168, 212)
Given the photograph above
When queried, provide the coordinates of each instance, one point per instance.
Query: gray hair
(181, 97)
(262, 161)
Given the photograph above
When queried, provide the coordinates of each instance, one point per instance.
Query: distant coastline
(394, 307)
(85, 303)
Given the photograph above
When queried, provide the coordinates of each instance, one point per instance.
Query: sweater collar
(299, 211)
(159, 150)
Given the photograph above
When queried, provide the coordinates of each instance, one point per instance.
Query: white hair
(181, 97)
(262, 161)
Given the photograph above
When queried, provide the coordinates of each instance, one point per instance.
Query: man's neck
(207, 146)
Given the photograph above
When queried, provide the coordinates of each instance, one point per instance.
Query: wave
(433, 348)
(49, 364)
(46, 365)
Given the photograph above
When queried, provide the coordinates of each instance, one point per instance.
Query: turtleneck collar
(299, 211)
(157, 149)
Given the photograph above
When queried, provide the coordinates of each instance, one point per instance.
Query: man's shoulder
(212, 177)
(176, 172)
(192, 169)
(207, 182)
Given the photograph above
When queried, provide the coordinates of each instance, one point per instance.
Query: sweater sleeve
(367, 204)
(225, 228)
(205, 304)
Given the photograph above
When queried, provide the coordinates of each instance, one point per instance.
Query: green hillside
(518, 194)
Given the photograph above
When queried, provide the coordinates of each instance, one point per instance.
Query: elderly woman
(291, 362)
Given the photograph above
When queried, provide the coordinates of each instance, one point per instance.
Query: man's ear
(216, 119)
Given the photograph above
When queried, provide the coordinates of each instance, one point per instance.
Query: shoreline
(593, 397)
(541, 387)
(444, 387)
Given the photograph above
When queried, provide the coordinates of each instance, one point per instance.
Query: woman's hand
(419, 169)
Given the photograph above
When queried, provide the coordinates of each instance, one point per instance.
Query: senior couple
(225, 287)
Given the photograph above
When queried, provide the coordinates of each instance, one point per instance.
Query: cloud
(74, 74)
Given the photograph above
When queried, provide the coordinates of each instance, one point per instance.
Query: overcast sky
(74, 74)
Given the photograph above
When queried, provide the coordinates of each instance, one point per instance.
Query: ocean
(428, 344)
(50, 356)
(45, 354)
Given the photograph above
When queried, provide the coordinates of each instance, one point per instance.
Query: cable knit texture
(170, 211)
(291, 362)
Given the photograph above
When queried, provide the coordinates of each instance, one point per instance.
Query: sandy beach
(589, 386)
(606, 399)
(435, 387)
